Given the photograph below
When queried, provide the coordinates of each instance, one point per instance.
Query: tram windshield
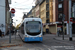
(33, 27)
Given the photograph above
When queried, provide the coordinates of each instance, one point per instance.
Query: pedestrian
(7, 32)
(0, 33)
(58, 32)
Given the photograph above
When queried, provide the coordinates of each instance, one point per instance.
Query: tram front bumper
(33, 39)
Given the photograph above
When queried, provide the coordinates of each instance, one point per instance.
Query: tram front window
(33, 28)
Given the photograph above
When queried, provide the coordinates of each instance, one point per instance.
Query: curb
(57, 39)
(65, 42)
(9, 45)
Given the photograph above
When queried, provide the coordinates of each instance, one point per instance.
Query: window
(47, 14)
(47, 7)
(60, 5)
(47, 21)
(60, 15)
(73, 10)
(47, 1)
(60, 0)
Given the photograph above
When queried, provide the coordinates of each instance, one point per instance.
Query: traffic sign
(12, 14)
(12, 10)
(71, 19)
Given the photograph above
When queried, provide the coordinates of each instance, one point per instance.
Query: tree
(17, 27)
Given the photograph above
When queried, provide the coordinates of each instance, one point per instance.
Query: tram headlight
(40, 36)
(26, 36)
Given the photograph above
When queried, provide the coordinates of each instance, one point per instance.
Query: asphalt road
(48, 43)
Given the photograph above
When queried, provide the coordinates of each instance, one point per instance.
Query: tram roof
(31, 19)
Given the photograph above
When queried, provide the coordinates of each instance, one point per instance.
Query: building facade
(43, 13)
(30, 13)
(4, 14)
(7, 15)
(37, 10)
(60, 9)
(33, 12)
(52, 12)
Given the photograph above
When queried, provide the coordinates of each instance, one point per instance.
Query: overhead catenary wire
(21, 2)
(15, 8)
(26, 4)
(19, 8)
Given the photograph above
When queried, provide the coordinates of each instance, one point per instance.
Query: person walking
(59, 32)
(0, 33)
(7, 32)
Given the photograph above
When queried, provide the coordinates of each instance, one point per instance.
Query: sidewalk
(4, 41)
(66, 37)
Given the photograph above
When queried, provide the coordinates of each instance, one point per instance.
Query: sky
(20, 7)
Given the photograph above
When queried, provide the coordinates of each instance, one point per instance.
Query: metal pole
(63, 29)
(63, 19)
(10, 32)
(10, 29)
(70, 23)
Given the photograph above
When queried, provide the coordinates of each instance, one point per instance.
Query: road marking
(38, 48)
(47, 47)
(62, 42)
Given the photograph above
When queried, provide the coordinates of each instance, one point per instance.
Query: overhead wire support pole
(70, 23)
